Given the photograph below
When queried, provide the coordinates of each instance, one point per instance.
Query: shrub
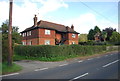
(49, 51)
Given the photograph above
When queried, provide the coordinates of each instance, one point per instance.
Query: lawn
(10, 69)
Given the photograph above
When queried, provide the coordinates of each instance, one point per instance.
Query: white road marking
(63, 64)
(106, 55)
(110, 63)
(10, 74)
(41, 69)
(79, 76)
(80, 61)
(90, 59)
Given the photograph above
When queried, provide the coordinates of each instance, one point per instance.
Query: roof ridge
(52, 23)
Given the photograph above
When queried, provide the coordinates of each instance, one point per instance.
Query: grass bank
(10, 69)
(57, 58)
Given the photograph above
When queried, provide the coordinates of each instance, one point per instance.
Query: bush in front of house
(49, 51)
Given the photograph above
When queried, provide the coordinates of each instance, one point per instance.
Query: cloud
(23, 12)
(4, 9)
(51, 5)
(87, 21)
(83, 23)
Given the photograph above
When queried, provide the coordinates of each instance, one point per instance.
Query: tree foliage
(83, 38)
(109, 31)
(104, 35)
(16, 38)
(97, 29)
(115, 38)
(92, 32)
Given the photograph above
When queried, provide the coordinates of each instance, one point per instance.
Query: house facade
(48, 33)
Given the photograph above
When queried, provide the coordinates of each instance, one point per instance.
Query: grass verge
(58, 58)
(10, 69)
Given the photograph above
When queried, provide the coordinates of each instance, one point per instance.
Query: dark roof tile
(52, 26)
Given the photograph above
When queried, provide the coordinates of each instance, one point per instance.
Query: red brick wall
(43, 37)
(58, 36)
(70, 39)
(34, 34)
(42, 41)
(34, 41)
(42, 34)
(38, 37)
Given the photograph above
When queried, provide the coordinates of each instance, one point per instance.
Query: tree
(16, 38)
(115, 38)
(104, 35)
(83, 38)
(91, 34)
(109, 31)
(97, 29)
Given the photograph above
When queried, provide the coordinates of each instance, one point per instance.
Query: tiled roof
(52, 26)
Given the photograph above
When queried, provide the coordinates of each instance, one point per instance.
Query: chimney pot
(72, 27)
(35, 21)
(67, 28)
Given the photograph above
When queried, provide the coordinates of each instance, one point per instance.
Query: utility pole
(10, 34)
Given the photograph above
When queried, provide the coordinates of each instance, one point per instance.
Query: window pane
(47, 32)
(73, 35)
(47, 42)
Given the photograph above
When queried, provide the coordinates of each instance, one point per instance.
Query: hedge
(55, 51)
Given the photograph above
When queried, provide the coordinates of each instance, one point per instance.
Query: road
(102, 67)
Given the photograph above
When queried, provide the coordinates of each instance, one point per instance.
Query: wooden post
(10, 35)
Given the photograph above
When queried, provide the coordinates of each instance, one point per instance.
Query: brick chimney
(67, 28)
(72, 27)
(35, 21)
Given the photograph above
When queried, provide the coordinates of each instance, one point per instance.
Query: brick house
(48, 33)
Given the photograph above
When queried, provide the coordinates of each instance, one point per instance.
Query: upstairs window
(73, 35)
(23, 34)
(47, 32)
(47, 42)
(29, 32)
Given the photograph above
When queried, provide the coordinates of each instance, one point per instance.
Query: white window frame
(73, 42)
(29, 32)
(23, 43)
(30, 42)
(47, 32)
(73, 35)
(47, 42)
(23, 34)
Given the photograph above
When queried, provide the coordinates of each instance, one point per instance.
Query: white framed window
(23, 34)
(47, 42)
(23, 43)
(73, 42)
(29, 32)
(47, 32)
(30, 42)
(73, 35)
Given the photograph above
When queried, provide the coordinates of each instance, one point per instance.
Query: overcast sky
(82, 14)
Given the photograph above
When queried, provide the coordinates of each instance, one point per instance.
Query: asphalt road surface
(102, 67)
